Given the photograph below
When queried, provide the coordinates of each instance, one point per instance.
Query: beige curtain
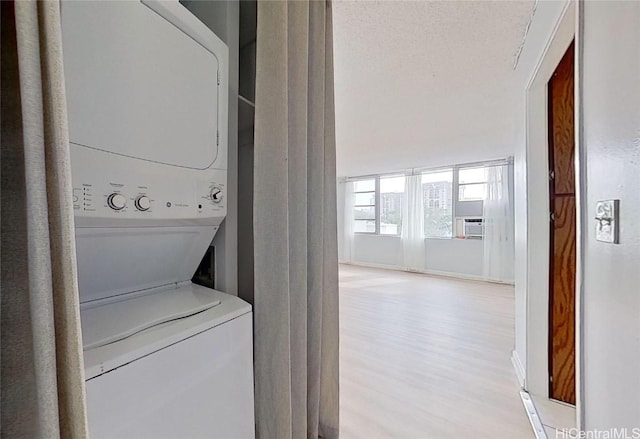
(41, 382)
(296, 257)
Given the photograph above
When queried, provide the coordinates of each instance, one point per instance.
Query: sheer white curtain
(347, 239)
(413, 224)
(498, 226)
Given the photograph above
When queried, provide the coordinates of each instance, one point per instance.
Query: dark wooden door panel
(563, 302)
(561, 118)
(562, 257)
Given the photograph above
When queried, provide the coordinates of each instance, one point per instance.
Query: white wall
(377, 250)
(610, 105)
(456, 257)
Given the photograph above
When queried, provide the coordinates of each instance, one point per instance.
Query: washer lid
(118, 332)
(117, 321)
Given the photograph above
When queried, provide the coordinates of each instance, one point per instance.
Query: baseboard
(453, 275)
(555, 414)
(519, 368)
(502, 282)
(532, 413)
(372, 265)
(429, 272)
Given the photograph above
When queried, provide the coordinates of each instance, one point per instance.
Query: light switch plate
(607, 221)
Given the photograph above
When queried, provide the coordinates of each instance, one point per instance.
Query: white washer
(147, 96)
(190, 377)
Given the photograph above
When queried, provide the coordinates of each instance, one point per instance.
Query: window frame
(378, 203)
(483, 182)
(375, 206)
(455, 192)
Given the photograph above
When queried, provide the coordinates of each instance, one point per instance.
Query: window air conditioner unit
(470, 228)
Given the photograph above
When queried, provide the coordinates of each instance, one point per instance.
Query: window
(452, 198)
(364, 209)
(391, 200)
(378, 205)
(437, 192)
(472, 184)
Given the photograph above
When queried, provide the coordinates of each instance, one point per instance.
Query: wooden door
(563, 231)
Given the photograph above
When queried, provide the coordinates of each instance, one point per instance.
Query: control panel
(142, 190)
(94, 198)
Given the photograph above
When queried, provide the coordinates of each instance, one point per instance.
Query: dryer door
(138, 85)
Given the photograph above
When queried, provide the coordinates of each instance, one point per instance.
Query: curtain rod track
(414, 171)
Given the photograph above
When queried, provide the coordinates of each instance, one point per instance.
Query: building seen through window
(391, 201)
(438, 202)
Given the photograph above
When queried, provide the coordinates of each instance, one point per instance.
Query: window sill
(375, 234)
(439, 238)
(452, 238)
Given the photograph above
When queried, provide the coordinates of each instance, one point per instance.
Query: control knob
(143, 203)
(216, 194)
(117, 201)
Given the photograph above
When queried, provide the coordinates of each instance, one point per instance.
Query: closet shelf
(246, 101)
(246, 111)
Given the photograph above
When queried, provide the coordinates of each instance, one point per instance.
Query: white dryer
(147, 95)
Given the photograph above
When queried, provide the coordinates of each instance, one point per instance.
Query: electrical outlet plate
(607, 219)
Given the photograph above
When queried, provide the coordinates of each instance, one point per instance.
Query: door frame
(538, 209)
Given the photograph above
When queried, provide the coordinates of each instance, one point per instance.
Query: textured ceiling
(425, 83)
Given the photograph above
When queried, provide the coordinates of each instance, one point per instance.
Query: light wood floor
(426, 357)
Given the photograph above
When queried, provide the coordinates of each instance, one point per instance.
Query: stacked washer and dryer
(147, 94)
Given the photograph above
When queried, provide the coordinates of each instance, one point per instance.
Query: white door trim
(537, 280)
